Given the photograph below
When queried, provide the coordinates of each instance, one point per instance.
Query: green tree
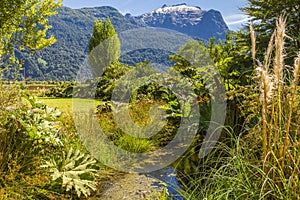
(265, 13)
(103, 47)
(108, 81)
(191, 59)
(23, 24)
(104, 52)
(232, 59)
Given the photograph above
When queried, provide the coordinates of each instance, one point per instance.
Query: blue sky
(229, 8)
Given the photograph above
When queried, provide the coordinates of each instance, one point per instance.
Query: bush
(30, 138)
(62, 90)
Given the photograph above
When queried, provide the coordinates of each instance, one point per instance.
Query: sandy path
(131, 187)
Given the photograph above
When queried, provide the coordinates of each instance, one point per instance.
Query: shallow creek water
(139, 186)
(168, 176)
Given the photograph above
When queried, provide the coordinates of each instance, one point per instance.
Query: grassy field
(66, 104)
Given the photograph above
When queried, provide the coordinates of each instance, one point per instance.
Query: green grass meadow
(66, 104)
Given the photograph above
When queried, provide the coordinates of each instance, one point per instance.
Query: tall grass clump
(278, 105)
(9, 96)
(234, 171)
(226, 173)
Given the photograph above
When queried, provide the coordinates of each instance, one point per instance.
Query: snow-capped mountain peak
(191, 20)
(182, 8)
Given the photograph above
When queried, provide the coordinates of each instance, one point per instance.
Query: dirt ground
(131, 187)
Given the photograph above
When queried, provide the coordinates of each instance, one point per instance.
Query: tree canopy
(23, 24)
(266, 12)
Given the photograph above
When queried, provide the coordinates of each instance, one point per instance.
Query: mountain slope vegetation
(73, 28)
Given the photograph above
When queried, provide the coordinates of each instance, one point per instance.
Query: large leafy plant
(73, 170)
(28, 129)
(41, 123)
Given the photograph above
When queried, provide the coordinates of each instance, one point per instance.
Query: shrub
(30, 133)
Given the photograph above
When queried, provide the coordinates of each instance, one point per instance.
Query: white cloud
(236, 19)
(125, 11)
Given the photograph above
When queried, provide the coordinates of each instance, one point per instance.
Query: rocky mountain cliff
(191, 20)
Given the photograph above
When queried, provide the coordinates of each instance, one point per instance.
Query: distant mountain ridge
(191, 20)
(73, 28)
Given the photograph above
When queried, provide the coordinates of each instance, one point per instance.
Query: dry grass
(278, 102)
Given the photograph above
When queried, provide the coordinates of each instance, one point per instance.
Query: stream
(168, 176)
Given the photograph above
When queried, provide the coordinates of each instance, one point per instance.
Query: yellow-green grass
(66, 104)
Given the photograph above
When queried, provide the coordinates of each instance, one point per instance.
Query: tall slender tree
(103, 47)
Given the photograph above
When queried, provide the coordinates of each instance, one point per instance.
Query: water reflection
(168, 178)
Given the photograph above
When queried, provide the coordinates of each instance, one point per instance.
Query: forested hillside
(72, 29)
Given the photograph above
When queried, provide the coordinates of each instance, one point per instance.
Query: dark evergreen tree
(265, 13)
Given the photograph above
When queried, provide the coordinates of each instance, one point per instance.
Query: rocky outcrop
(191, 20)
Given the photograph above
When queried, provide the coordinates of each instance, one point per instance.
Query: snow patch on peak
(183, 8)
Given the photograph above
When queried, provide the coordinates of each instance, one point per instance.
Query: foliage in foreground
(234, 171)
(33, 147)
(23, 28)
(263, 161)
(278, 112)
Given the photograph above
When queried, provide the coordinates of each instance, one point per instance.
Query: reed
(278, 108)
